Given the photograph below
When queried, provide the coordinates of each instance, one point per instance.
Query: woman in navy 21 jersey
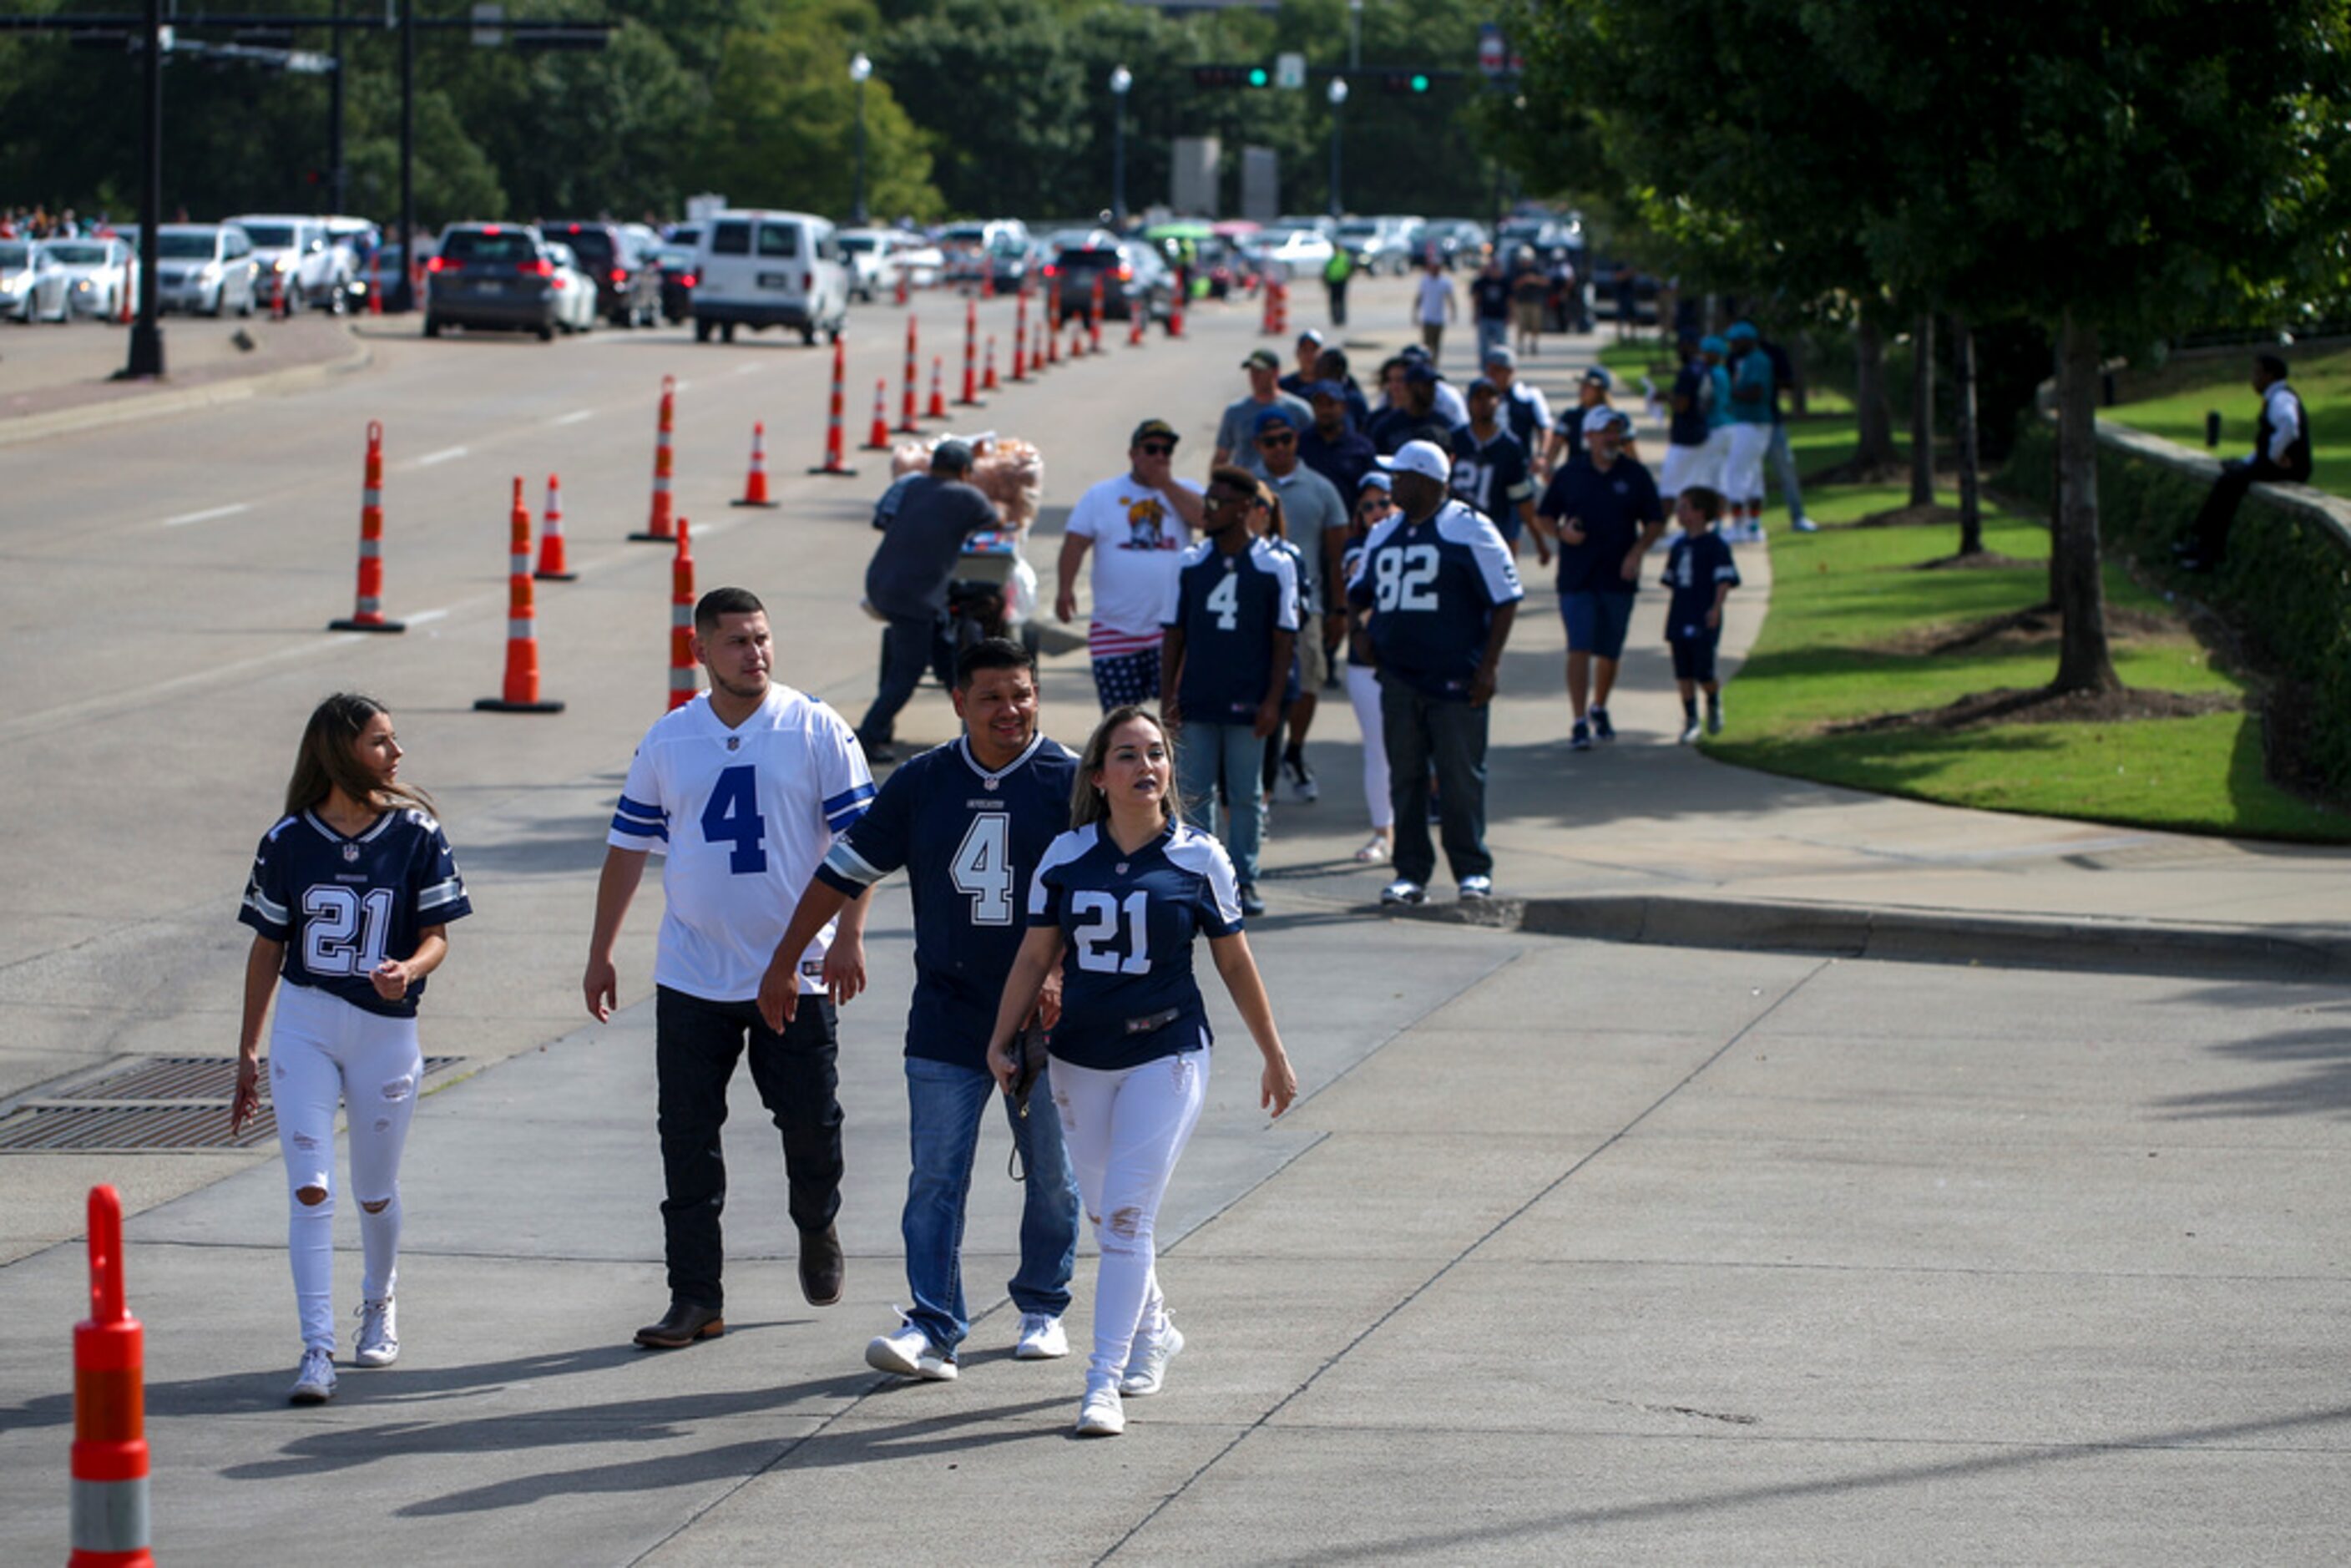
(1116, 903)
(349, 902)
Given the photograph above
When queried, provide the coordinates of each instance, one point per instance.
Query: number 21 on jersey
(1096, 940)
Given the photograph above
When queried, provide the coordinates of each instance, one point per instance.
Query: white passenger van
(769, 270)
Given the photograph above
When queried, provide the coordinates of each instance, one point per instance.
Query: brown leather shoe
(682, 1324)
(821, 1266)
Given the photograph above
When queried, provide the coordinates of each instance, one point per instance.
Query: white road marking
(421, 616)
(749, 370)
(146, 691)
(443, 455)
(576, 415)
(185, 518)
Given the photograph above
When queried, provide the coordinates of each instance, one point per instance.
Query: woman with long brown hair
(350, 902)
(1121, 897)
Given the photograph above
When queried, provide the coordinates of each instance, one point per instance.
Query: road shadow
(2313, 1063)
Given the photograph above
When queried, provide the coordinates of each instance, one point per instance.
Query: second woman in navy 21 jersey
(1116, 904)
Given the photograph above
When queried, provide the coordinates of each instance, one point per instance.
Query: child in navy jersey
(1116, 904)
(349, 901)
(1701, 574)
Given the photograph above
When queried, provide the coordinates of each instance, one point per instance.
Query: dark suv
(1134, 281)
(490, 275)
(628, 286)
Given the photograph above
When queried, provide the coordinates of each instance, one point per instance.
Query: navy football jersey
(1228, 608)
(1127, 991)
(1492, 477)
(343, 905)
(1695, 567)
(1432, 588)
(968, 840)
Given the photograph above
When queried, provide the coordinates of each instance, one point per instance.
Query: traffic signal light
(1257, 77)
(1409, 82)
(1231, 75)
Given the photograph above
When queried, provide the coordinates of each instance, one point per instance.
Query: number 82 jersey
(343, 905)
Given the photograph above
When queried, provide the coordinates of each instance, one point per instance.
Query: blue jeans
(944, 1105)
(1424, 732)
(1208, 755)
(1493, 332)
(1783, 468)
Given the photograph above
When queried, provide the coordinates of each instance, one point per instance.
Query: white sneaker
(1147, 1361)
(1041, 1338)
(1477, 889)
(314, 1381)
(1690, 731)
(909, 1353)
(1805, 525)
(1403, 890)
(1102, 1414)
(379, 1338)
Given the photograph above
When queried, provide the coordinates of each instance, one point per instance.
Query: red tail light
(689, 280)
(618, 277)
(542, 267)
(808, 282)
(1125, 272)
(442, 263)
(489, 228)
(1053, 269)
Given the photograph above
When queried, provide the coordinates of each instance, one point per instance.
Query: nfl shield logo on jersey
(351, 855)
(734, 743)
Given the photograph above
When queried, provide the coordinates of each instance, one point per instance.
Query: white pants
(1363, 691)
(1686, 467)
(323, 1051)
(1124, 1132)
(1742, 470)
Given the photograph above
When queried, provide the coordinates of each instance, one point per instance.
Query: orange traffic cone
(755, 485)
(1021, 339)
(988, 374)
(109, 1441)
(367, 611)
(658, 530)
(552, 566)
(1094, 319)
(937, 407)
(1135, 326)
(878, 438)
(970, 397)
(906, 425)
(520, 692)
(680, 621)
(1176, 318)
(833, 463)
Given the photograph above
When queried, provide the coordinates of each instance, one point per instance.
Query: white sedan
(31, 285)
(99, 275)
(574, 291)
(1292, 252)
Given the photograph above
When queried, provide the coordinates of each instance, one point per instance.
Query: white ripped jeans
(323, 1051)
(1363, 691)
(1124, 1131)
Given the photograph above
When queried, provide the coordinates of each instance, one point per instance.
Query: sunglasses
(1279, 438)
(1218, 498)
(1158, 449)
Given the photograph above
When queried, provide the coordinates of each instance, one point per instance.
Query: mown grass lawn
(2225, 384)
(1843, 641)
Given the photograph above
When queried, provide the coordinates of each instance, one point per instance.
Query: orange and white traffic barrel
(367, 608)
(110, 1524)
(520, 694)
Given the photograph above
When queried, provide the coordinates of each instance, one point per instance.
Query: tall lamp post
(859, 67)
(1121, 79)
(1338, 96)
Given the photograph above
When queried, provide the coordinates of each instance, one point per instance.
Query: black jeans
(909, 648)
(697, 1045)
(1424, 732)
(2210, 533)
(1338, 293)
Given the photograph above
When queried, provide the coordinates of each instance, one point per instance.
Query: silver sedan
(31, 285)
(99, 275)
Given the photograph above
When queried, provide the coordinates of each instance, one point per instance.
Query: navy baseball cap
(1482, 385)
(1419, 370)
(1281, 415)
(1326, 388)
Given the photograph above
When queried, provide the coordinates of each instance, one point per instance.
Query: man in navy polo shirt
(1603, 509)
(1224, 663)
(1340, 454)
(1438, 581)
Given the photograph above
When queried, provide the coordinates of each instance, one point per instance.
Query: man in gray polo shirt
(1313, 518)
(908, 581)
(1236, 431)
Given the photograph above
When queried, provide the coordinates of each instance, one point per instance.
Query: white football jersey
(743, 816)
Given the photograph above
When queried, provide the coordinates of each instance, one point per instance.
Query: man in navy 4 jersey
(1224, 663)
(969, 821)
(744, 790)
(1438, 581)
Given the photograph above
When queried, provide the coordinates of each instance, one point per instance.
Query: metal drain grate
(145, 1103)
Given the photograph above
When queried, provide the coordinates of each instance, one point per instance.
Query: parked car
(1292, 252)
(761, 270)
(99, 275)
(355, 242)
(628, 292)
(1133, 280)
(31, 285)
(576, 302)
(491, 275)
(871, 256)
(1013, 263)
(924, 263)
(969, 248)
(1457, 241)
(385, 268)
(206, 267)
(293, 251)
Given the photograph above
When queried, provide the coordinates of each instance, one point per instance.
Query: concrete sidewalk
(54, 383)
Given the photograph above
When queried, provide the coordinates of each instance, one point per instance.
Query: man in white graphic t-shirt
(1135, 525)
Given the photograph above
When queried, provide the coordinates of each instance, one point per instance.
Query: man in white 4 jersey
(744, 790)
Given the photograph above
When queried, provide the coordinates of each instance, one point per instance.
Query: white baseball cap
(1424, 458)
(1600, 416)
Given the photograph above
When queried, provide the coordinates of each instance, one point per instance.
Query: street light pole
(147, 333)
(859, 67)
(1338, 96)
(1121, 79)
(405, 290)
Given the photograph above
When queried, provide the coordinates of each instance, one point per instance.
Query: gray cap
(952, 454)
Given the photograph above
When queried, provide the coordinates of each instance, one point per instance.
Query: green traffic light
(1257, 76)
(1419, 83)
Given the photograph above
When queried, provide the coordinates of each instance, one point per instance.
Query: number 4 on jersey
(982, 869)
(733, 816)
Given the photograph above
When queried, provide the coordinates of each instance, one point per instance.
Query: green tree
(782, 129)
